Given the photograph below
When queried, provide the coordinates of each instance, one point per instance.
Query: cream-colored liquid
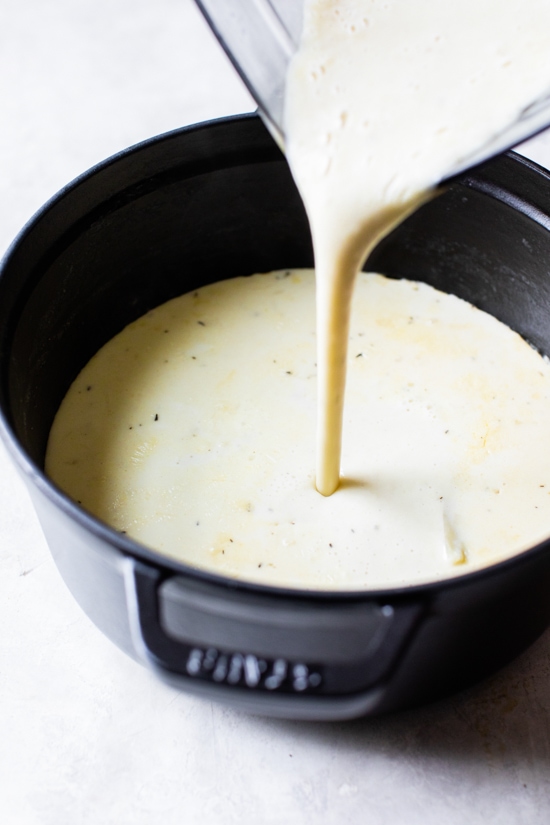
(193, 432)
(383, 99)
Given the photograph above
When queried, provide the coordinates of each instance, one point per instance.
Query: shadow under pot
(219, 197)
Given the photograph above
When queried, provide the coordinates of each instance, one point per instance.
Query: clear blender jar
(260, 37)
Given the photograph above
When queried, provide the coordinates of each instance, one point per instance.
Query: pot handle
(293, 657)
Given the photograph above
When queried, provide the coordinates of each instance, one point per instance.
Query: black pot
(175, 213)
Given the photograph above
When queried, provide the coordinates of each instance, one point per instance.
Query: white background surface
(87, 735)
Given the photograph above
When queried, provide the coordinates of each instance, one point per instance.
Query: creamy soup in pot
(194, 430)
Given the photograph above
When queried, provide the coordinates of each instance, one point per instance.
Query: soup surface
(193, 431)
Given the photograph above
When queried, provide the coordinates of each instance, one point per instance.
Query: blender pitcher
(260, 37)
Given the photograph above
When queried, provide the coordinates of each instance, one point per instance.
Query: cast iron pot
(217, 200)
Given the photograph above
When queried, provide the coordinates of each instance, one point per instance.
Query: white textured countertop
(87, 735)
